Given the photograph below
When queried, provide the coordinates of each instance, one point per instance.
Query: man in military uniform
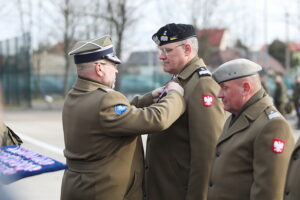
(296, 99)
(253, 151)
(101, 127)
(292, 191)
(279, 94)
(178, 160)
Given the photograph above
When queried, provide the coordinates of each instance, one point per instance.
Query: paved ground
(44, 126)
(41, 130)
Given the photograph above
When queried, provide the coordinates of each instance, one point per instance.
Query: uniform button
(210, 184)
(295, 157)
(146, 167)
(218, 154)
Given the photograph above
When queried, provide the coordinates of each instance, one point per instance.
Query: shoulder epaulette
(106, 89)
(272, 113)
(203, 71)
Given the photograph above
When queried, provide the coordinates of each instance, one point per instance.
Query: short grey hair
(193, 41)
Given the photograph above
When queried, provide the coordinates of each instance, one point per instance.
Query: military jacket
(280, 93)
(252, 155)
(178, 160)
(102, 147)
(296, 92)
(292, 187)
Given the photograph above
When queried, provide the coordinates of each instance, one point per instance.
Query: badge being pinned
(120, 109)
(208, 100)
(278, 145)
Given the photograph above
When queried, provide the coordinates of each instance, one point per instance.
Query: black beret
(173, 33)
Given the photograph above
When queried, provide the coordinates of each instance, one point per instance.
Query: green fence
(140, 84)
(15, 71)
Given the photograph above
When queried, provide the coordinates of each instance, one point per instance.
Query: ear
(246, 87)
(187, 49)
(99, 70)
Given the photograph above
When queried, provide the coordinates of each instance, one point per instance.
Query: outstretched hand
(158, 93)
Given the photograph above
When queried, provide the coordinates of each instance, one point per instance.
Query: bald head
(254, 81)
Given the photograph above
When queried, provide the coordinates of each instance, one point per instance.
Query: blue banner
(17, 162)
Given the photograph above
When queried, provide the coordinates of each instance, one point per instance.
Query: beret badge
(156, 40)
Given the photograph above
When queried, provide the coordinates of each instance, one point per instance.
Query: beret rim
(243, 76)
(235, 69)
(172, 32)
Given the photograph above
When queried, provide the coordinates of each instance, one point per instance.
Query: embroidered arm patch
(120, 109)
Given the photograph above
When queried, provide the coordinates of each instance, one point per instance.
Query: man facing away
(178, 160)
(101, 127)
(253, 151)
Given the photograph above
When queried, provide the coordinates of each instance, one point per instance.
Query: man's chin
(166, 69)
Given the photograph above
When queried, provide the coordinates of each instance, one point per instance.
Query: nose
(220, 94)
(162, 56)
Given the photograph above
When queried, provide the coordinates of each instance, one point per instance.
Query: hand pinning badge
(162, 94)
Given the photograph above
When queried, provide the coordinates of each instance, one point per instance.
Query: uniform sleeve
(142, 101)
(130, 120)
(206, 119)
(270, 166)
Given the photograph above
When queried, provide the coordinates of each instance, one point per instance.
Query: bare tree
(120, 16)
(201, 12)
(70, 13)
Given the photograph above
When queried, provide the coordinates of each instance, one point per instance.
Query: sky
(255, 22)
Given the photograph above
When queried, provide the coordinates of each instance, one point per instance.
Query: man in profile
(253, 152)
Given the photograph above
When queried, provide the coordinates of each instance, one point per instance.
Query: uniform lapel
(240, 124)
(190, 68)
(245, 119)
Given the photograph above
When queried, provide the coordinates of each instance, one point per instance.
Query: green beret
(93, 50)
(173, 33)
(235, 69)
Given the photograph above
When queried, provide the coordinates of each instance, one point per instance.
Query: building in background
(142, 72)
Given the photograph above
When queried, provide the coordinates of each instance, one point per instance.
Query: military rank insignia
(208, 100)
(273, 114)
(278, 145)
(202, 71)
(120, 109)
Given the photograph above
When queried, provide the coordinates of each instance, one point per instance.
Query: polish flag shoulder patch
(208, 100)
(278, 145)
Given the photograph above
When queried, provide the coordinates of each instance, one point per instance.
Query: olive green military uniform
(252, 154)
(103, 151)
(292, 187)
(8, 137)
(296, 100)
(178, 159)
(280, 97)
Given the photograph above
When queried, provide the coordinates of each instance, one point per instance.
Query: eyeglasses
(167, 51)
